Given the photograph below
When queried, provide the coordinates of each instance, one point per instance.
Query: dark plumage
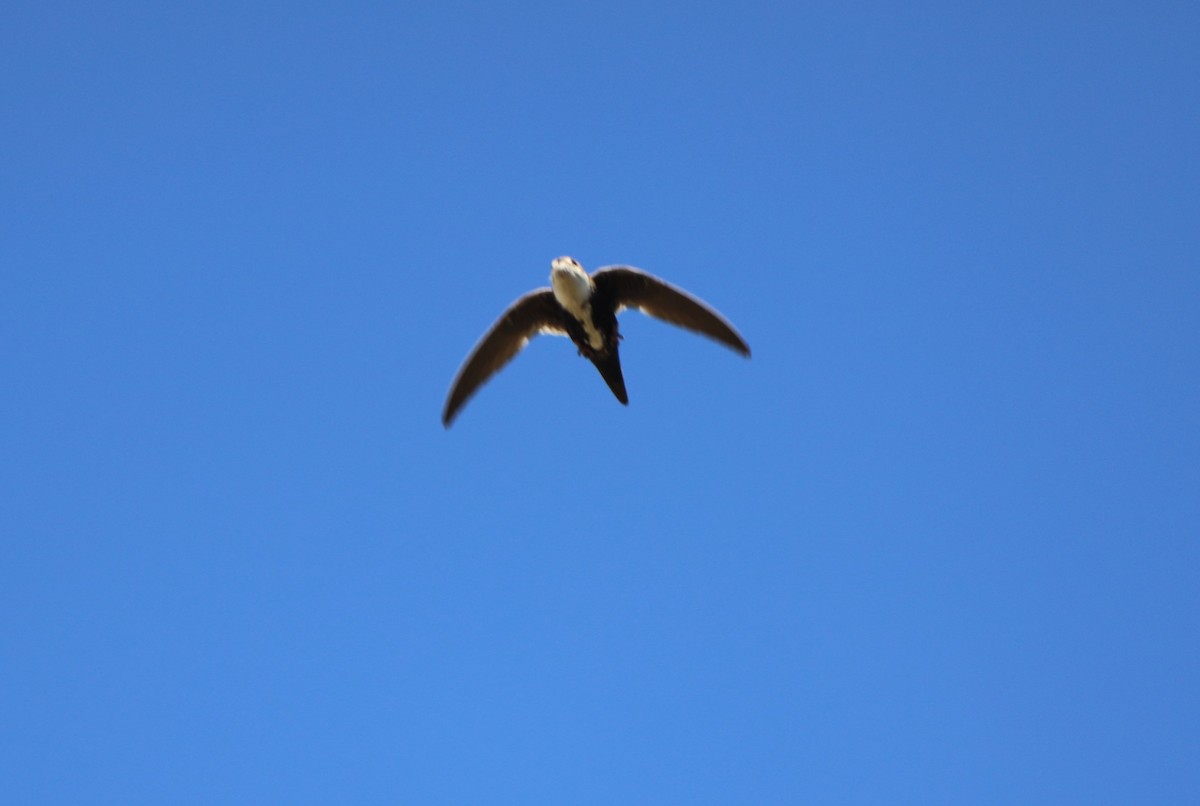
(584, 309)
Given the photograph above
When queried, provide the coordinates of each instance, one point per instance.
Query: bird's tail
(609, 365)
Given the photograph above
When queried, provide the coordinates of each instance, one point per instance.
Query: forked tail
(609, 365)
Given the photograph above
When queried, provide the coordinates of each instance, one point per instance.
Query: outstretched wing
(628, 287)
(534, 313)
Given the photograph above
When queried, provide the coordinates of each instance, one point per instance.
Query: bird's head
(565, 263)
(571, 284)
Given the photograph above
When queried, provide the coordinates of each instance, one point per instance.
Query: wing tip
(733, 340)
(451, 410)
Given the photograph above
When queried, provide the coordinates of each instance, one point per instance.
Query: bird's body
(584, 308)
(573, 290)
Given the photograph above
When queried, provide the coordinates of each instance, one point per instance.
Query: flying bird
(584, 308)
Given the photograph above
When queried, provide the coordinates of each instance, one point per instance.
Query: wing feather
(534, 313)
(628, 287)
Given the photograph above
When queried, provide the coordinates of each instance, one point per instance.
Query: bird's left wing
(627, 287)
(534, 313)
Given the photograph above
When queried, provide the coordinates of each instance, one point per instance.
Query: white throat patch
(573, 290)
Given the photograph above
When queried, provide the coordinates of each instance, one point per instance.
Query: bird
(584, 308)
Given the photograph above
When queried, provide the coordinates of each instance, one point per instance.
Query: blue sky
(936, 542)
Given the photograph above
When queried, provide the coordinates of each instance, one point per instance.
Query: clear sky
(938, 541)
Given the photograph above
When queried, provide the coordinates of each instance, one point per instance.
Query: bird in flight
(584, 308)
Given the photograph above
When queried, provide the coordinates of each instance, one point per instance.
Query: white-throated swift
(584, 308)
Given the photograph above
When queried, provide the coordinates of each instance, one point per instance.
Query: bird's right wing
(536, 312)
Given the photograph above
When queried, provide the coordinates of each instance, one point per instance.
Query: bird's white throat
(573, 290)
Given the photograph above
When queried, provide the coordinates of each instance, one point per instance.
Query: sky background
(938, 541)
